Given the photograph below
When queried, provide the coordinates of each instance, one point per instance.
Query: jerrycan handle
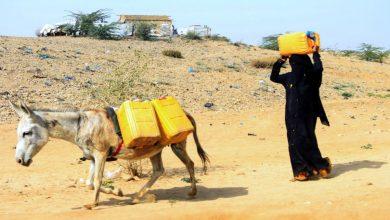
(311, 35)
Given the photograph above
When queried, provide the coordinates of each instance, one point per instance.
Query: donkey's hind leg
(158, 170)
(89, 181)
(180, 151)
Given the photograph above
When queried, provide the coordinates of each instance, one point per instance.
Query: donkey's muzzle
(24, 163)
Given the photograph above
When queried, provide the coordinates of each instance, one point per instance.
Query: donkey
(94, 133)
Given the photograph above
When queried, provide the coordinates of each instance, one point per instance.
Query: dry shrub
(172, 53)
(125, 82)
(264, 62)
(192, 36)
(134, 168)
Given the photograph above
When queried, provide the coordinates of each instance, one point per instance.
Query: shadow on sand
(180, 194)
(341, 168)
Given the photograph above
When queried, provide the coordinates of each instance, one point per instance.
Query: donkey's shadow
(341, 168)
(180, 194)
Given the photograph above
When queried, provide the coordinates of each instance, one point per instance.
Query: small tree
(105, 31)
(68, 29)
(143, 30)
(91, 25)
(85, 23)
(270, 42)
(371, 53)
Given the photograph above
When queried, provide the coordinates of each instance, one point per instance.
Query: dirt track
(249, 175)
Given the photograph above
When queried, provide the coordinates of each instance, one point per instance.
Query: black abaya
(303, 106)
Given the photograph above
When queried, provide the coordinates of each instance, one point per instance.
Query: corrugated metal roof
(128, 18)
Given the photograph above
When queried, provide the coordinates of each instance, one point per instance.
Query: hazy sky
(342, 23)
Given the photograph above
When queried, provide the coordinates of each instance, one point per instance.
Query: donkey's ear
(26, 109)
(18, 109)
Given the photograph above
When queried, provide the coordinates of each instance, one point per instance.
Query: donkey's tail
(202, 154)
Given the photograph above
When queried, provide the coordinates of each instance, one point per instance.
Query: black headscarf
(300, 65)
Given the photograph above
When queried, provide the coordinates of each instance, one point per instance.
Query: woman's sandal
(302, 176)
(325, 172)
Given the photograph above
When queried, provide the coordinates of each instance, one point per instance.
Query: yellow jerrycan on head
(298, 43)
(174, 124)
(138, 124)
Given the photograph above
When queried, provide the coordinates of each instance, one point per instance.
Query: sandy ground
(248, 179)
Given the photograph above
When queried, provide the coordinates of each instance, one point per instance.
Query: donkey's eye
(27, 133)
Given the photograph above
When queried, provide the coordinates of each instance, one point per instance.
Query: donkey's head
(32, 134)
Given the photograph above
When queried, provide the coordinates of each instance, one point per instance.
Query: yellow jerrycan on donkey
(298, 43)
(161, 121)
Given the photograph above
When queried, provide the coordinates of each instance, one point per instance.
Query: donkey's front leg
(90, 185)
(100, 159)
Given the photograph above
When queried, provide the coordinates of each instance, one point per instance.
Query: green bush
(265, 62)
(68, 29)
(105, 31)
(371, 53)
(192, 36)
(270, 42)
(216, 37)
(172, 53)
(143, 30)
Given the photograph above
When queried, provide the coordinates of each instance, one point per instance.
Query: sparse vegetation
(340, 86)
(264, 62)
(367, 147)
(371, 53)
(91, 25)
(233, 66)
(270, 42)
(346, 95)
(192, 36)
(348, 53)
(378, 95)
(239, 44)
(143, 30)
(216, 37)
(125, 82)
(108, 184)
(172, 53)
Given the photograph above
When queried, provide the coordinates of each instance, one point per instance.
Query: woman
(303, 106)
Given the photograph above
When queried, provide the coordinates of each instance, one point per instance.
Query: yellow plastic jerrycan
(173, 122)
(298, 43)
(138, 124)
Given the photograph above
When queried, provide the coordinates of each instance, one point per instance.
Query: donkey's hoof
(147, 198)
(90, 206)
(90, 187)
(150, 198)
(118, 192)
(136, 201)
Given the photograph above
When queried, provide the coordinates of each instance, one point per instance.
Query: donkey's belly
(139, 153)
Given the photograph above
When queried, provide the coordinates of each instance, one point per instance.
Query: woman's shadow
(341, 168)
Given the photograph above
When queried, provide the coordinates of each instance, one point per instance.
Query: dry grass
(172, 53)
(264, 62)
